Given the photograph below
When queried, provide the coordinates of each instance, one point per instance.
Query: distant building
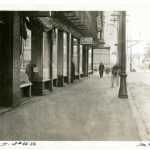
(101, 55)
(110, 36)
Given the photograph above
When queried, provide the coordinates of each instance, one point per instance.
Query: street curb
(138, 118)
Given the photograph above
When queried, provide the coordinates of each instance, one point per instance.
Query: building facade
(37, 50)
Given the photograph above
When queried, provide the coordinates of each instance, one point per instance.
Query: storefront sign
(86, 40)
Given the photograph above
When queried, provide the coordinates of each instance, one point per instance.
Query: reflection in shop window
(46, 55)
(75, 54)
(54, 57)
(65, 54)
(25, 55)
(81, 51)
(90, 59)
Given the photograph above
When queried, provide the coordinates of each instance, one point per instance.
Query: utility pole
(123, 75)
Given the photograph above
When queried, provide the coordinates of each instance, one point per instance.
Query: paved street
(139, 77)
(87, 110)
(139, 91)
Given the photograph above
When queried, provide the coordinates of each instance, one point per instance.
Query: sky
(138, 27)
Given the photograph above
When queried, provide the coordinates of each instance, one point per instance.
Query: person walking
(101, 69)
(72, 72)
(115, 75)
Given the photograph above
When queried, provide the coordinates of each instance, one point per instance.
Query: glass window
(81, 53)
(46, 55)
(90, 59)
(25, 58)
(75, 54)
(54, 57)
(64, 54)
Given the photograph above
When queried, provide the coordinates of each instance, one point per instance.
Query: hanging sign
(86, 40)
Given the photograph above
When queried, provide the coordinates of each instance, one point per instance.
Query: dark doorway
(5, 59)
(1, 56)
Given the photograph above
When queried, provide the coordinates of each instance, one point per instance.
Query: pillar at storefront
(41, 74)
(10, 60)
(85, 60)
(36, 61)
(60, 59)
(51, 59)
(69, 57)
(16, 59)
(123, 75)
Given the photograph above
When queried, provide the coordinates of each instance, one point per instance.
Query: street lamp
(123, 75)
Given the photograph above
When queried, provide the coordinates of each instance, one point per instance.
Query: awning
(45, 23)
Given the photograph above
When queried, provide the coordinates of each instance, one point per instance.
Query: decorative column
(123, 75)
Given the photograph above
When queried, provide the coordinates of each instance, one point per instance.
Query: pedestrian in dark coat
(72, 72)
(101, 69)
(115, 75)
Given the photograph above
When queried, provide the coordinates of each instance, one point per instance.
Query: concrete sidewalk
(89, 110)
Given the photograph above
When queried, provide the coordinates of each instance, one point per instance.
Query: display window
(81, 60)
(54, 57)
(75, 54)
(46, 55)
(65, 54)
(90, 59)
(25, 54)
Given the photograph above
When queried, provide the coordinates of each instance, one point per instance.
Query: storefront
(9, 59)
(37, 50)
(87, 52)
(41, 56)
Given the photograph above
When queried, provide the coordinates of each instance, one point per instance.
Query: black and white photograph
(75, 75)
